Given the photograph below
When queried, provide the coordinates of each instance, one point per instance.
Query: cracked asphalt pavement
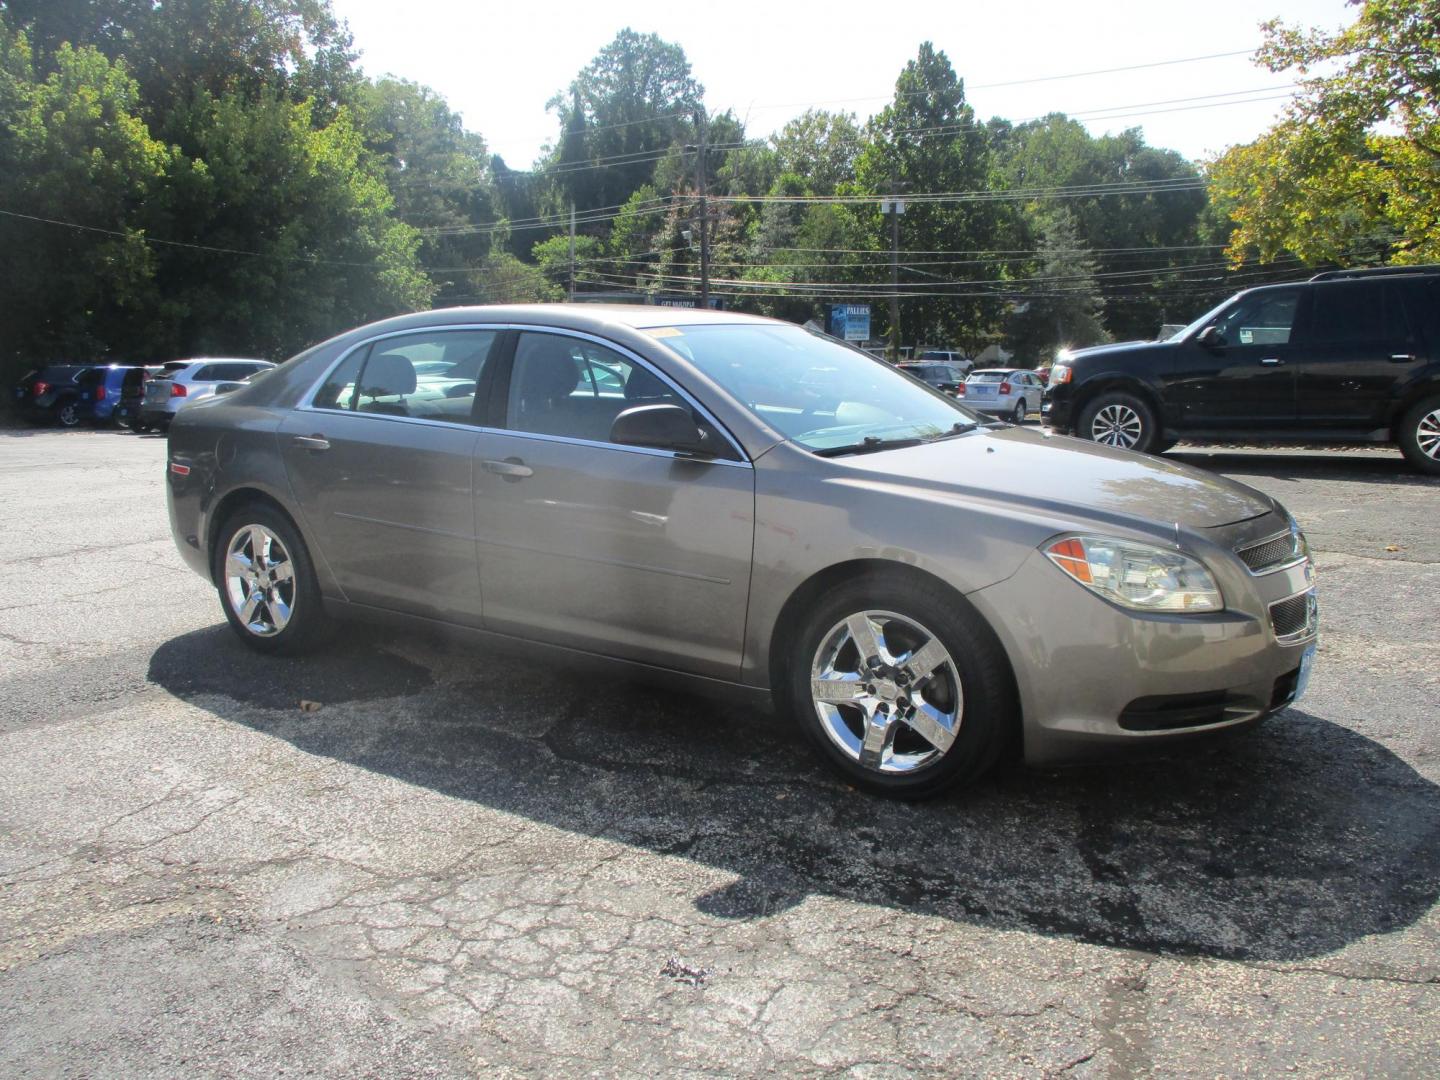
(470, 865)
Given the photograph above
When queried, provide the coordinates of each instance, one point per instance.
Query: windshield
(815, 391)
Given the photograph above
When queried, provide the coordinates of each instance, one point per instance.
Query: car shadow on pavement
(1288, 841)
(1281, 463)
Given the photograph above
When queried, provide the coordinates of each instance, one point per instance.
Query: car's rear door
(1361, 342)
(382, 462)
(619, 550)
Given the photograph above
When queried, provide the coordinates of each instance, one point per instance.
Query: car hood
(1119, 348)
(1055, 475)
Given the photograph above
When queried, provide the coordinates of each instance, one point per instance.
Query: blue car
(101, 388)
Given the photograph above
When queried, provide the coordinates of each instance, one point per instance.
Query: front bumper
(1000, 406)
(1055, 408)
(1094, 677)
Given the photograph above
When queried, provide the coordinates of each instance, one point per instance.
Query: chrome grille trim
(1274, 553)
(1295, 618)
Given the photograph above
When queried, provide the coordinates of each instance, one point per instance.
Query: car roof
(998, 371)
(583, 317)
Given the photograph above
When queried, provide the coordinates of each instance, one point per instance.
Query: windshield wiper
(868, 445)
(959, 428)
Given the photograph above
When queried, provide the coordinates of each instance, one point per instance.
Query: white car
(182, 383)
(1009, 392)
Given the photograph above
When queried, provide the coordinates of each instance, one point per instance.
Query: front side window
(816, 392)
(575, 388)
(431, 375)
(1264, 318)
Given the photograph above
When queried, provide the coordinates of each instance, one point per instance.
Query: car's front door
(1359, 344)
(1245, 375)
(621, 550)
(381, 461)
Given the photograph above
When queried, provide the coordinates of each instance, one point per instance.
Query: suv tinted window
(1348, 312)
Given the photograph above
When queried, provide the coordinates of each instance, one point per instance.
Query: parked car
(101, 389)
(184, 382)
(1348, 356)
(945, 377)
(49, 395)
(756, 510)
(1009, 392)
(949, 356)
(132, 397)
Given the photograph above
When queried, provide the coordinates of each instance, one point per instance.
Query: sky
(498, 64)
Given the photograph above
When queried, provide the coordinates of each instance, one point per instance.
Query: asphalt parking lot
(400, 859)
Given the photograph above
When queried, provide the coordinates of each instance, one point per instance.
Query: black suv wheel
(1419, 435)
(1118, 419)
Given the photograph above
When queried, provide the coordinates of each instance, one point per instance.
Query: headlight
(1137, 575)
(1060, 373)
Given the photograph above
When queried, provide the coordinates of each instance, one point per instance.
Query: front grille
(1295, 617)
(1269, 554)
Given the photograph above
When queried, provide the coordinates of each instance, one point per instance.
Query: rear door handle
(510, 469)
(312, 442)
(1272, 361)
(1401, 358)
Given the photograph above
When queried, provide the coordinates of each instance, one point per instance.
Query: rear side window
(1348, 313)
(432, 375)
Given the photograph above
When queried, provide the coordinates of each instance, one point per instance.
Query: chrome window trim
(306, 403)
(1290, 565)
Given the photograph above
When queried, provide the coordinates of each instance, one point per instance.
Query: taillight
(177, 389)
(100, 392)
(1004, 388)
(960, 390)
(37, 387)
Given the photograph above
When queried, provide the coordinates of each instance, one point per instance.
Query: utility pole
(700, 123)
(572, 252)
(894, 206)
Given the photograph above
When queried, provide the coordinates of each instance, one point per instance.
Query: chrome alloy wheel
(1427, 434)
(887, 692)
(260, 580)
(1117, 425)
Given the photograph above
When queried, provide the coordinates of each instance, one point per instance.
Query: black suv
(1348, 356)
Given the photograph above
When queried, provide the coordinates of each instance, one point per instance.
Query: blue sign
(850, 322)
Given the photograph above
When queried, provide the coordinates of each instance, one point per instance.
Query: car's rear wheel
(1018, 416)
(904, 694)
(67, 415)
(1118, 419)
(267, 582)
(1419, 435)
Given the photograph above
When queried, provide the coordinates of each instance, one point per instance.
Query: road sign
(850, 322)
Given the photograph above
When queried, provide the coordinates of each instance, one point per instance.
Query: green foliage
(1064, 306)
(821, 148)
(1352, 174)
(504, 279)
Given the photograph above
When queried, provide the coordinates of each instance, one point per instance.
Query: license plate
(984, 391)
(20, 393)
(1302, 680)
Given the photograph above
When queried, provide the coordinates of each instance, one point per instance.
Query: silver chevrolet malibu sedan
(744, 506)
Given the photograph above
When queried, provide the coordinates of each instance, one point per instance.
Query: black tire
(1018, 416)
(307, 625)
(1107, 418)
(65, 414)
(1417, 434)
(985, 723)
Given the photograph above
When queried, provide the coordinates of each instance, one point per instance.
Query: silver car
(1010, 392)
(183, 382)
(746, 507)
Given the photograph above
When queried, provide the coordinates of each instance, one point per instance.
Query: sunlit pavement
(459, 864)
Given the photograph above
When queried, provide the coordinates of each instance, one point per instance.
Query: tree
(1351, 174)
(632, 102)
(820, 147)
(1063, 306)
(927, 142)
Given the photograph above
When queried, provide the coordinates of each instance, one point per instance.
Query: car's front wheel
(67, 415)
(1119, 419)
(904, 694)
(267, 582)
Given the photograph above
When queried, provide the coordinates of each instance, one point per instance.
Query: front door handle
(312, 442)
(1272, 361)
(1401, 358)
(510, 468)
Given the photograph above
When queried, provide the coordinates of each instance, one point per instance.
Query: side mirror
(660, 427)
(1210, 337)
(228, 388)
